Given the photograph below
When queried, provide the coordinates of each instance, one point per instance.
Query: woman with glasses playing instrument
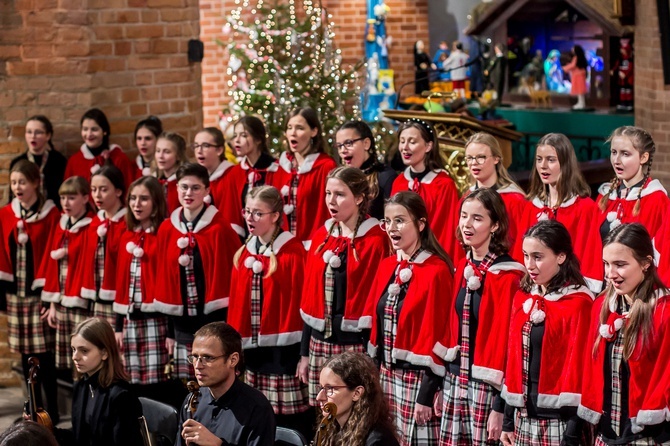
(356, 147)
(267, 282)
(484, 159)
(341, 266)
(350, 381)
(194, 273)
(425, 175)
(408, 311)
(209, 148)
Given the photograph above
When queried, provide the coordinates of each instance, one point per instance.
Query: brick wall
(406, 23)
(127, 57)
(652, 98)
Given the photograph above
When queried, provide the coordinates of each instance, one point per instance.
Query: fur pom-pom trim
(611, 216)
(146, 171)
(335, 261)
(95, 168)
(257, 267)
(182, 242)
(615, 224)
(102, 231)
(405, 275)
(474, 283)
(250, 177)
(138, 252)
(394, 289)
(20, 225)
(184, 260)
(130, 247)
(288, 209)
(58, 254)
(468, 272)
(542, 216)
(605, 331)
(527, 305)
(285, 190)
(537, 317)
(249, 262)
(22, 238)
(327, 256)
(208, 199)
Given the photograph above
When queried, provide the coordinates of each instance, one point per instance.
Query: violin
(193, 399)
(331, 412)
(37, 414)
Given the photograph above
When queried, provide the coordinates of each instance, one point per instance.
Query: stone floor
(11, 407)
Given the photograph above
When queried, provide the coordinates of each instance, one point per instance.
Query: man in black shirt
(229, 412)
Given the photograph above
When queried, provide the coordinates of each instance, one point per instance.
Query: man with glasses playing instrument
(228, 412)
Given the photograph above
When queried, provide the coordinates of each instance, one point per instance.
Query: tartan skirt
(66, 320)
(538, 432)
(105, 310)
(25, 331)
(182, 369)
(286, 393)
(464, 420)
(144, 351)
(641, 442)
(319, 353)
(401, 387)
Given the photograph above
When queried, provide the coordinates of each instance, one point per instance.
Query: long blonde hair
(271, 197)
(503, 178)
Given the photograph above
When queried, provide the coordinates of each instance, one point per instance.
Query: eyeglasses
(206, 360)
(349, 143)
(255, 215)
(479, 159)
(330, 390)
(195, 188)
(203, 146)
(399, 223)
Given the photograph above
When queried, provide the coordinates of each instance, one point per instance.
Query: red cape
(217, 243)
(80, 164)
(371, 245)
(281, 294)
(148, 241)
(171, 193)
(423, 320)
(439, 193)
(566, 328)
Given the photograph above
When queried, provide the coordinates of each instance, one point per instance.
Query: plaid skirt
(464, 421)
(319, 353)
(538, 432)
(66, 320)
(25, 331)
(182, 369)
(286, 393)
(401, 388)
(105, 310)
(144, 351)
(641, 442)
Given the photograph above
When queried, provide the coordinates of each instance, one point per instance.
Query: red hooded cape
(148, 241)
(371, 245)
(217, 243)
(81, 163)
(225, 198)
(566, 327)
(281, 293)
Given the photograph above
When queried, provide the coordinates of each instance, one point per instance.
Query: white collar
(46, 208)
(220, 170)
(307, 165)
(116, 217)
(77, 226)
(205, 220)
(567, 203)
(635, 192)
(430, 176)
(496, 268)
(246, 165)
(422, 257)
(565, 291)
(363, 229)
(89, 155)
(277, 245)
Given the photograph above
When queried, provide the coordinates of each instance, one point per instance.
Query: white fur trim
(513, 399)
(101, 230)
(7, 277)
(273, 340)
(491, 376)
(372, 350)
(595, 286)
(138, 252)
(95, 168)
(46, 208)
(37, 283)
(405, 275)
(567, 203)
(146, 171)
(120, 308)
(420, 360)
(107, 295)
(566, 291)
(652, 417)
(557, 401)
(307, 164)
(220, 170)
(19, 224)
(22, 238)
(277, 245)
(256, 266)
(306, 244)
(217, 304)
(205, 220)
(74, 302)
(363, 229)
(653, 186)
(88, 293)
(285, 190)
(238, 229)
(316, 323)
(76, 227)
(589, 415)
(58, 254)
(440, 350)
(365, 322)
(288, 209)
(393, 289)
(451, 353)
(184, 260)
(207, 199)
(249, 262)
(170, 309)
(50, 296)
(430, 176)
(351, 325)
(130, 247)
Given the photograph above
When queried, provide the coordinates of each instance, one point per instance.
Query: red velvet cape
(80, 164)
(149, 264)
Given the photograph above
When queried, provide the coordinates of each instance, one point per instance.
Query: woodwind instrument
(37, 414)
(331, 412)
(193, 399)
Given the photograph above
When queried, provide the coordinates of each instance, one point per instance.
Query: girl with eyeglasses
(26, 224)
(351, 381)
(484, 159)
(267, 281)
(170, 155)
(301, 177)
(625, 389)
(486, 280)
(257, 167)
(546, 347)
(408, 312)
(558, 191)
(420, 151)
(41, 151)
(146, 134)
(356, 147)
(102, 241)
(197, 248)
(140, 330)
(341, 266)
(96, 151)
(209, 148)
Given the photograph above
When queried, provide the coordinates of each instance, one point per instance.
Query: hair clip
(423, 123)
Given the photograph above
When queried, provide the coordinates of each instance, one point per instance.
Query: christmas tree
(282, 58)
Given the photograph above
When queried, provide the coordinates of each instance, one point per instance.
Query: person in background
(456, 64)
(577, 69)
(146, 134)
(421, 68)
(170, 156)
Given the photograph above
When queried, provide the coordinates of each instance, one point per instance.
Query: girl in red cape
(420, 151)
(340, 268)
(170, 156)
(408, 312)
(549, 317)
(266, 282)
(146, 134)
(558, 191)
(625, 389)
(632, 196)
(486, 281)
(301, 177)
